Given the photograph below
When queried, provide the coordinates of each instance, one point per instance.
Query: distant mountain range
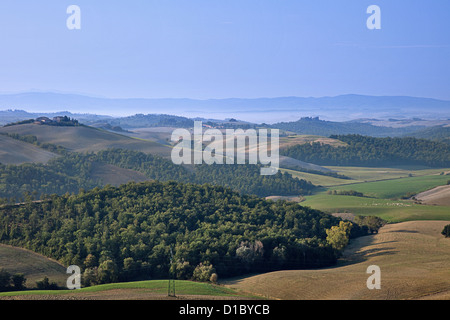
(258, 110)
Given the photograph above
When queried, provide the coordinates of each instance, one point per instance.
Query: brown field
(34, 266)
(439, 196)
(115, 176)
(87, 139)
(302, 139)
(413, 258)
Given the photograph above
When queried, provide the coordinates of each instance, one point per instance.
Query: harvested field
(413, 258)
(439, 196)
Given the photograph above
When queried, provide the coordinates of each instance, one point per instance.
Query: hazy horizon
(233, 49)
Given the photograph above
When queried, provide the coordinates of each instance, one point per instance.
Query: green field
(396, 188)
(390, 210)
(383, 198)
(150, 288)
(365, 174)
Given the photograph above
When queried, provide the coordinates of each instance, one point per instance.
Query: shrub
(203, 272)
(446, 231)
(45, 284)
(214, 278)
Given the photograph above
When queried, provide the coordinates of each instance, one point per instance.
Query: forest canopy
(73, 171)
(370, 151)
(126, 232)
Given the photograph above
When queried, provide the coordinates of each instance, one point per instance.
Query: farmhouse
(42, 120)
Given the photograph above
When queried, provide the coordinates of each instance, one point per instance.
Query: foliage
(203, 272)
(446, 231)
(346, 193)
(60, 175)
(45, 284)
(10, 282)
(100, 230)
(373, 223)
(315, 126)
(73, 171)
(338, 236)
(369, 151)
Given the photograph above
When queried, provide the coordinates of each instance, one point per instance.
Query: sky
(211, 49)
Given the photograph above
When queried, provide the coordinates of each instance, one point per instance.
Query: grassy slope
(17, 152)
(82, 139)
(151, 289)
(34, 266)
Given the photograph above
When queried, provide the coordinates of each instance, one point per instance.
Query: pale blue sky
(229, 48)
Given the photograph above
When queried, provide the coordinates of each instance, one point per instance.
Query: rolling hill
(316, 126)
(86, 139)
(32, 265)
(17, 152)
(412, 256)
(268, 110)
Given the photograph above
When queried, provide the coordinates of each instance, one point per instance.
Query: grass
(396, 188)
(366, 174)
(383, 197)
(390, 210)
(154, 287)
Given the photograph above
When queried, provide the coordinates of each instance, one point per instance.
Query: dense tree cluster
(436, 133)
(73, 171)
(369, 151)
(127, 232)
(446, 231)
(315, 126)
(66, 174)
(9, 282)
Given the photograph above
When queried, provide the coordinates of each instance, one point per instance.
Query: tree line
(73, 171)
(370, 151)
